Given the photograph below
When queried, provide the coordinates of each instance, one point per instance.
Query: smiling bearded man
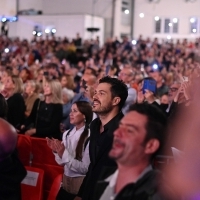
(108, 100)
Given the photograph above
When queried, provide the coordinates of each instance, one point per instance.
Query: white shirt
(72, 166)
(109, 193)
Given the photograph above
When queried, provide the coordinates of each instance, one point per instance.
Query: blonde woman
(31, 96)
(67, 81)
(13, 88)
(46, 115)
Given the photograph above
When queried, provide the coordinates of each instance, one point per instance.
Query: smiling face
(129, 145)
(126, 75)
(47, 89)
(173, 91)
(76, 117)
(9, 85)
(102, 99)
(63, 82)
(29, 89)
(4, 77)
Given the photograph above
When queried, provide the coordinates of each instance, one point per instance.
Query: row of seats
(32, 185)
(34, 152)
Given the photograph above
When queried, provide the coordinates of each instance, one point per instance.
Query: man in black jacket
(139, 137)
(109, 98)
(12, 172)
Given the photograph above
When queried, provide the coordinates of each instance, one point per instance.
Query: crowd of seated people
(44, 81)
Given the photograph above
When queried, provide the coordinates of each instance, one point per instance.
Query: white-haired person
(45, 118)
(73, 151)
(67, 96)
(31, 96)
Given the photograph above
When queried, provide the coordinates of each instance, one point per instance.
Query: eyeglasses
(173, 89)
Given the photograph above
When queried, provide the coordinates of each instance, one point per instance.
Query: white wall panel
(165, 8)
(66, 26)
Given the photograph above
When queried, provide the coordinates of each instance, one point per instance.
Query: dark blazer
(46, 119)
(16, 110)
(98, 154)
(146, 188)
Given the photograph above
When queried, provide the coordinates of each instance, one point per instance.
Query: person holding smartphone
(147, 91)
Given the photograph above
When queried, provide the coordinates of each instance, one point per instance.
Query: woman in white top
(73, 151)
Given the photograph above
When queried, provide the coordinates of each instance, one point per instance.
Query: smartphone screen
(149, 85)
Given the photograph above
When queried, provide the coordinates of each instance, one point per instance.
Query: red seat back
(31, 191)
(41, 152)
(24, 149)
(43, 158)
(55, 187)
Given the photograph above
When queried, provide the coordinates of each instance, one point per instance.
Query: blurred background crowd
(78, 65)
(43, 78)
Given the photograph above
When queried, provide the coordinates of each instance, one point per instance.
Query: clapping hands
(56, 146)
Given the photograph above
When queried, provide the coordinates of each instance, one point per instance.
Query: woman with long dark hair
(73, 151)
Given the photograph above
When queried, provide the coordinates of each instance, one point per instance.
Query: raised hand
(51, 144)
(60, 148)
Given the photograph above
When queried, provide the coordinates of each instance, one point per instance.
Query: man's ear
(116, 101)
(152, 146)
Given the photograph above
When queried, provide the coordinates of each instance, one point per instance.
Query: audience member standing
(138, 139)
(73, 152)
(16, 106)
(46, 115)
(127, 76)
(108, 100)
(31, 93)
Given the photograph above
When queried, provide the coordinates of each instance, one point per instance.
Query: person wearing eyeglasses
(127, 76)
(173, 90)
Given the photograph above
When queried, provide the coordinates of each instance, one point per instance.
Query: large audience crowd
(54, 88)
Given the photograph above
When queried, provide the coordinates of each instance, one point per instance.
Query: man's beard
(103, 110)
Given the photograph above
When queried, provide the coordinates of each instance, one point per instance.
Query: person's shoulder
(95, 122)
(107, 172)
(57, 105)
(132, 89)
(17, 96)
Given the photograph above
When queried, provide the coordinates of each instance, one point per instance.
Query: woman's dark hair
(86, 109)
(3, 107)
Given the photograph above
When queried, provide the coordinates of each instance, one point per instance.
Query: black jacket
(46, 119)
(16, 110)
(100, 145)
(12, 172)
(146, 188)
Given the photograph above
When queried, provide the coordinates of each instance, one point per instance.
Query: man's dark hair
(118, 89)
(156, 123)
